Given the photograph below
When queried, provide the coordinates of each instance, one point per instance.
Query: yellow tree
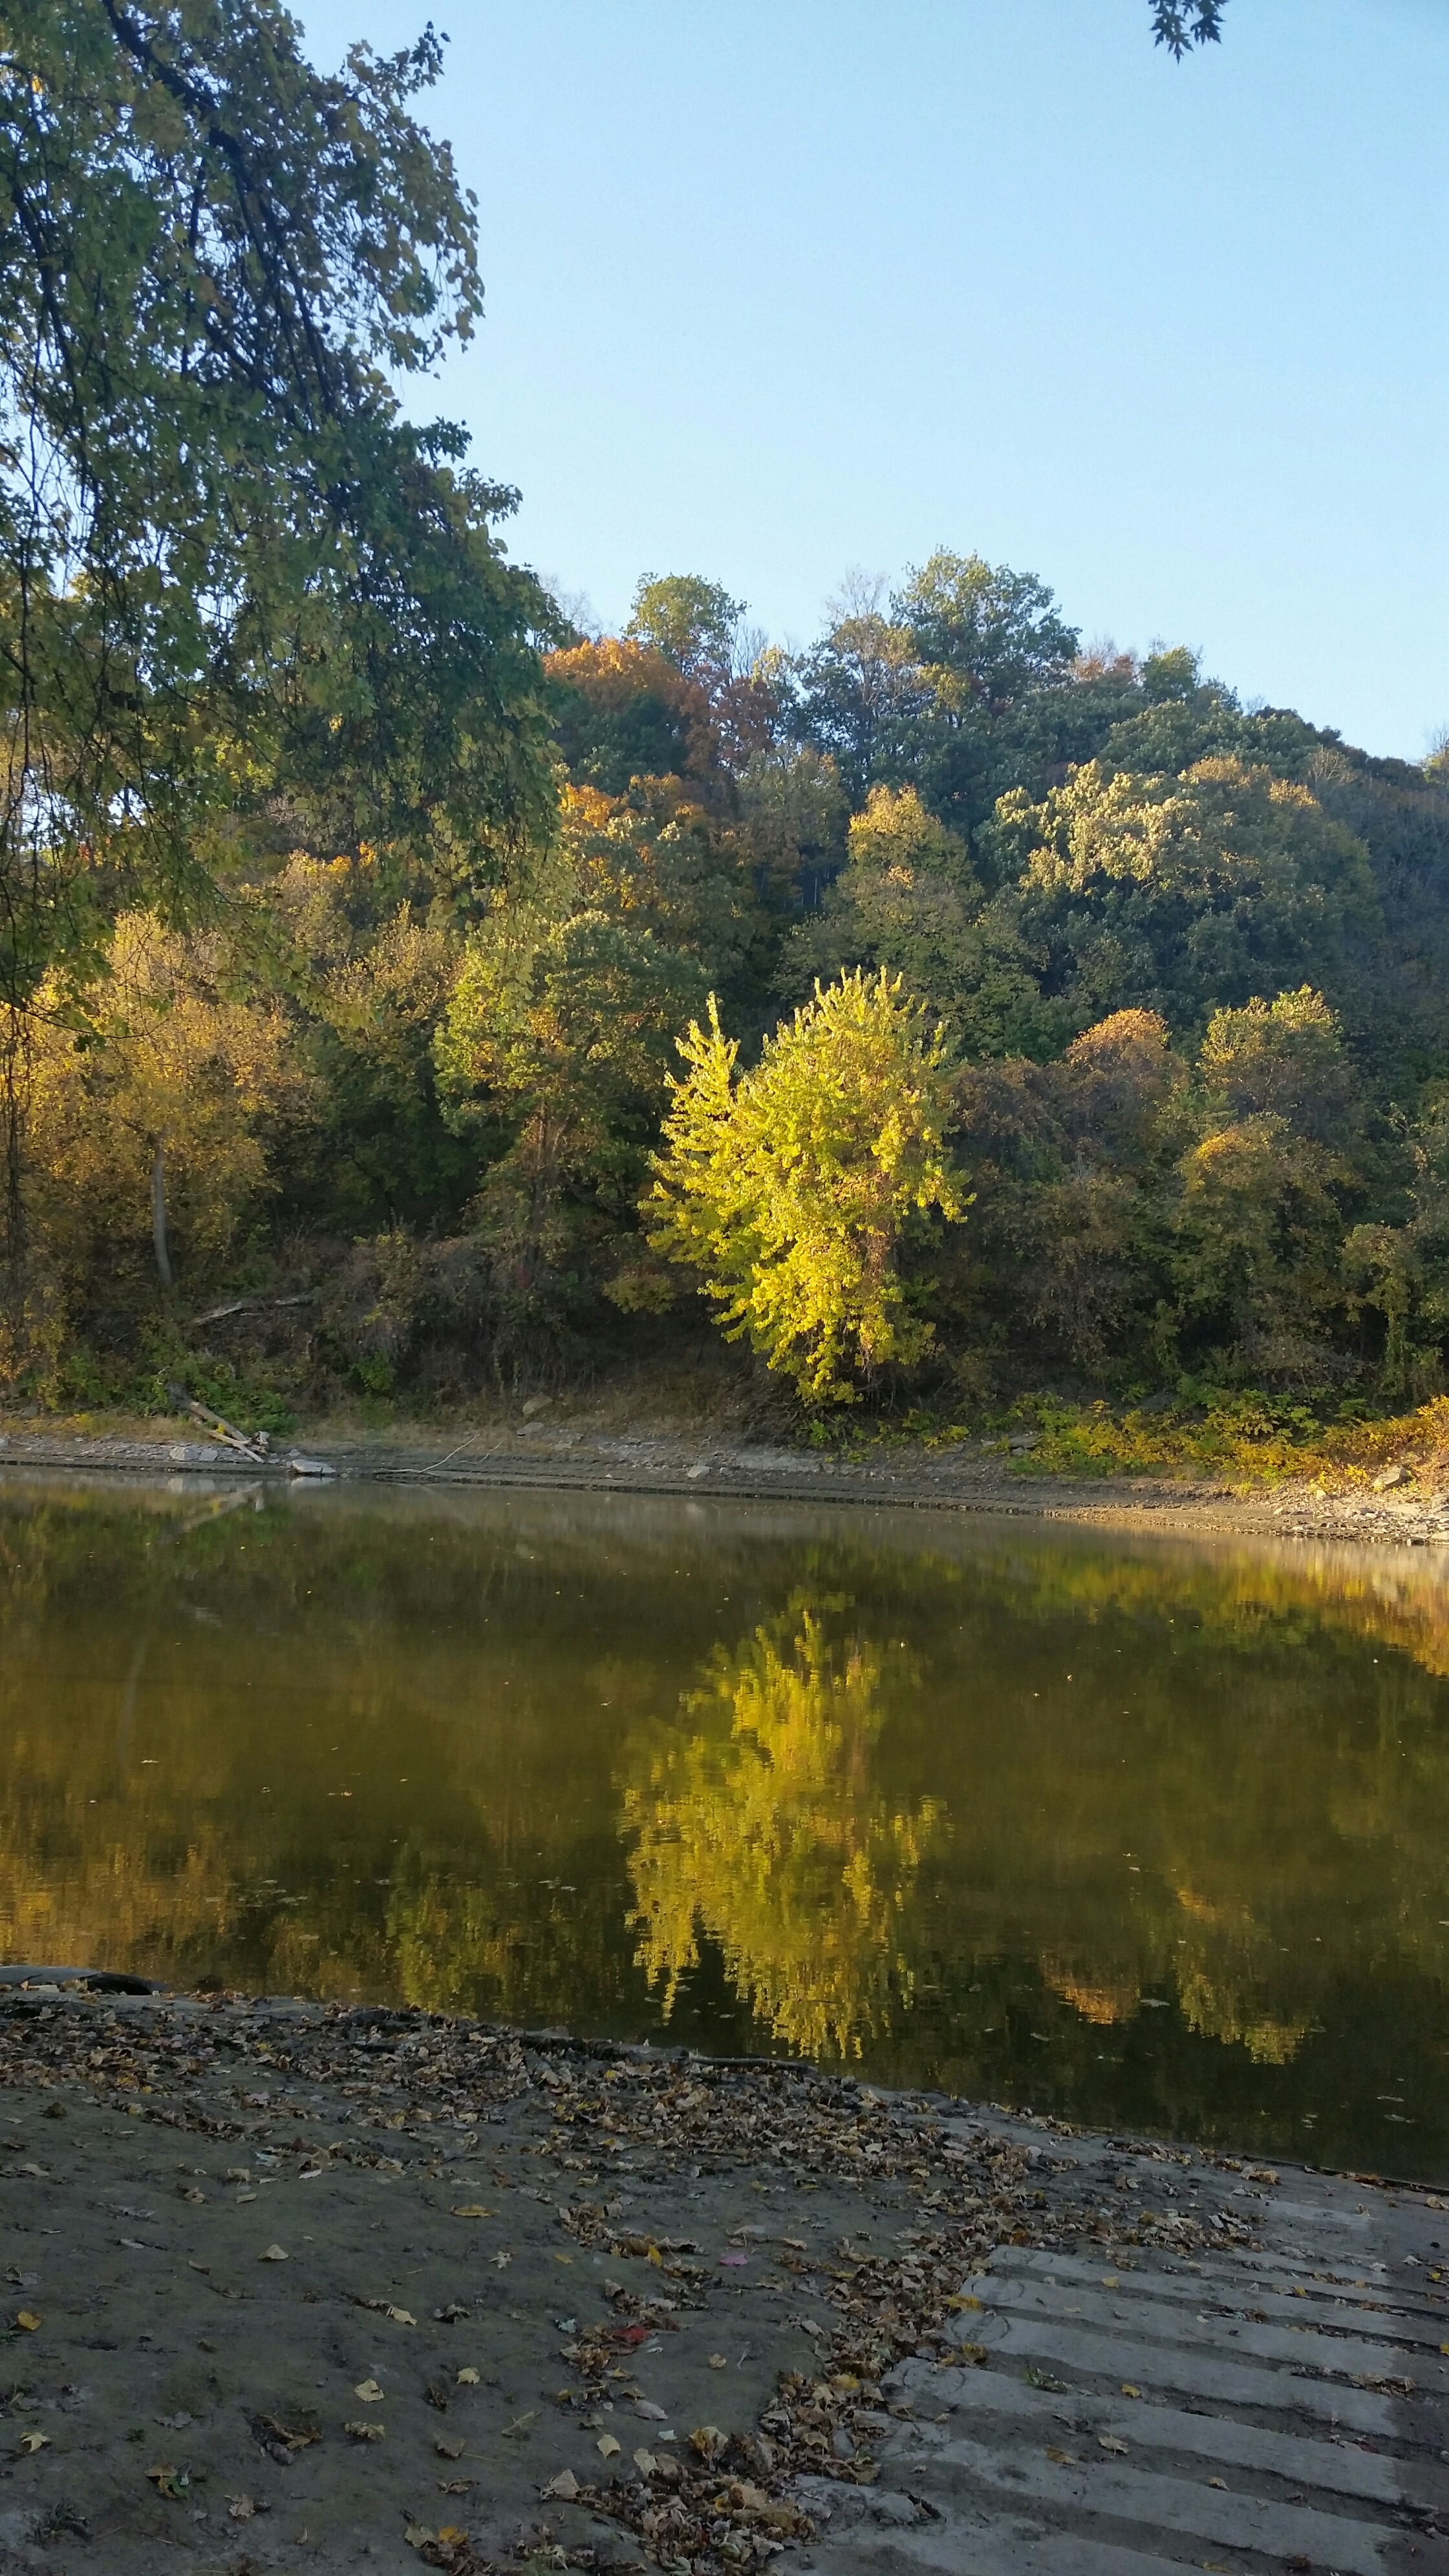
(789, 1190)
(154, 1104)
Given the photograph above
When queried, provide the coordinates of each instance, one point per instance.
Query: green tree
(553, 1054)
(1177, 894)
(692, 622)
(229, 567)
(1266, 1189)
(789, 1190)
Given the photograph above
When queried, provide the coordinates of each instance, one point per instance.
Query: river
(1143, 1833)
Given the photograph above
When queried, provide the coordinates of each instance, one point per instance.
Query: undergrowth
(1244, 1437)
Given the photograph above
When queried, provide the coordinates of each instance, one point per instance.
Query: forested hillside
(1058, 1022)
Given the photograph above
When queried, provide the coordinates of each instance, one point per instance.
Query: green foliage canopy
(229, 568)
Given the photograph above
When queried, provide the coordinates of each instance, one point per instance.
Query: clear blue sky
(777, 287)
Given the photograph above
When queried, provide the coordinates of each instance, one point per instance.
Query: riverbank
(304, 2285)
(541, 1448)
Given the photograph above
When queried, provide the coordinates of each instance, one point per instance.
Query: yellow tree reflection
(766, 1827)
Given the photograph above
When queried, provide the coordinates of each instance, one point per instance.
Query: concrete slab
(1277, 2402)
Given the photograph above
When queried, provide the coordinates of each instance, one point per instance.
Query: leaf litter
(717, 2498)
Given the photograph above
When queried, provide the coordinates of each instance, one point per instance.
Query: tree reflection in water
(1141, 1834)
(766, 1824)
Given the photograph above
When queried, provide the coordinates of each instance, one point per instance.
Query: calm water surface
(1137, 1833)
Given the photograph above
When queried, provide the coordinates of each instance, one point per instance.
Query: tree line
(949, 1007)
(946, 1008)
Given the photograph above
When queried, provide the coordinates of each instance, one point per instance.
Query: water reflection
(760, 1818)
(1137, 1833)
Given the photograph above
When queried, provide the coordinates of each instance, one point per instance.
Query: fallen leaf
(1110, 2281)
(456, 2486)
(563, 2258)
(1064, 2459)
(468, 2378)
(1110, 2442)
(273, 2254)
(34, 2441)
(473, 2209)
(607, 2447)
(417, 2535)
(269, 2431)
(400, 2316)
(975, 2353)
(363, 2431)
(189, 2191)
(1219, 2482)
(196, 2267)
(27, 2320)
(450, 2535)
(240, 2508)
(502, 2261)
(651, 2413)
(170, 2482)
(1128, 2390)
(369, 2392)
(646, 2464)
(717, 2361)
(246, 2195)
(445, 2449)
(564, 2487)
(963, 2299)
(736, 2262)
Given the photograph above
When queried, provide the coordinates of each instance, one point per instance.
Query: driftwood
(250, 1305)
(251, 1447)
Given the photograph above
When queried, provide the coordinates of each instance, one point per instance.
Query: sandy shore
(295, 2285)
(545, 1453)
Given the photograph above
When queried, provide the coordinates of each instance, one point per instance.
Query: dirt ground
(292, 2285)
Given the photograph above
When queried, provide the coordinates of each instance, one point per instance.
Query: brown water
(1142, 1834)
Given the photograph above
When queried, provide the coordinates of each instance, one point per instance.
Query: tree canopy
(231, 572)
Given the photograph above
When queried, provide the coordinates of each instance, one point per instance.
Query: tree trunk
(158, 1213)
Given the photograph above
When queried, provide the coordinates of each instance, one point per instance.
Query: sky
(781, 288)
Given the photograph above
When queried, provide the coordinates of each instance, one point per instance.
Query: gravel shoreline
(955, 1479)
